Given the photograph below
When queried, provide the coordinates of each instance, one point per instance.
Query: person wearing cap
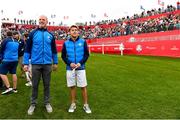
(41, 49)
(9, 57)
(75, 54)
(16, 36)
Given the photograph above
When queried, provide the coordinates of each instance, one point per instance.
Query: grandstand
(156, 32)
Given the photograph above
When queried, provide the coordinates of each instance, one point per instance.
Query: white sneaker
(14, 90)
(86, 108)
(29, 83)
(48, 108)
(7, 91)
(31, 109)
(72, 107)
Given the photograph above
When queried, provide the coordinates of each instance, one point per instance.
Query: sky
(77, 10)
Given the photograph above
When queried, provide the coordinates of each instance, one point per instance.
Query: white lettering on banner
(139, 48)
(129, 48)
(58, 45)
(151, 48)
(132, 39)
(174, 48)
(116, 48)
(99, 48)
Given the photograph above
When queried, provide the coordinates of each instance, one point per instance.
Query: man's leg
(12, 71)
(5, 80)
(14, 76)
(46, 75)
(86, 106)
(73, 94)
(71, 83)
(73, 98)
(82, 82)
(84, 95)
(3, 73)
(36, 76)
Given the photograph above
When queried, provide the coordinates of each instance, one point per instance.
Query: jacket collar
(42, 29)
(75, 40)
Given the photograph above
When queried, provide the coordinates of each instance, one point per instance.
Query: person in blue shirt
(75, 54)
(41, 49)
(16, 35)
(9, 57)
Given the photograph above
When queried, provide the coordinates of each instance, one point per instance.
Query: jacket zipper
(43, 48)
(75, 51)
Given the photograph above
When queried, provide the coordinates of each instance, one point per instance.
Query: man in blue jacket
(41, 49)
(75, 53)
(9, 57)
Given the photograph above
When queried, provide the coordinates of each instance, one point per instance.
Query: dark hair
(15, 33)
(9, 33)
(26, 34)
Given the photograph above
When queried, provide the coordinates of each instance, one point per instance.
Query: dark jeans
(37, 72)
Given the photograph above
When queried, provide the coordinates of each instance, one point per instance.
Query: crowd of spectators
(110, 28)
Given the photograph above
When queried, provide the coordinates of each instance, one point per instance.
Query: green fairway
(118, 87)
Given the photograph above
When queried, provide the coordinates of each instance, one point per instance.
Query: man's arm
(54, 51)
(64, 55)
(86, 54)
(2, 48)
(28, 48)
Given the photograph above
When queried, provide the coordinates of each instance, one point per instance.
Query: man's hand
(25, 68)
(54, 67)
(73, 65)
(78, 65)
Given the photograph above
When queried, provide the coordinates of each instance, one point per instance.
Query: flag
(93, 15)
(142, 8)
(2, 11)
(53, 15)
(160, 3)
(20, 12)
(66, 17)
(105, 15)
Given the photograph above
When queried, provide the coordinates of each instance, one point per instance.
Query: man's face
(16, 36)
(74, 32)
(43, 22)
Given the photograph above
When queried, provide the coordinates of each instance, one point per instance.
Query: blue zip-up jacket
(40, 48)
(75, 52)
(9, 50)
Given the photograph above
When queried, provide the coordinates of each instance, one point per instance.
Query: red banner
(154, 44)
(152, 48)
(59, 44)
